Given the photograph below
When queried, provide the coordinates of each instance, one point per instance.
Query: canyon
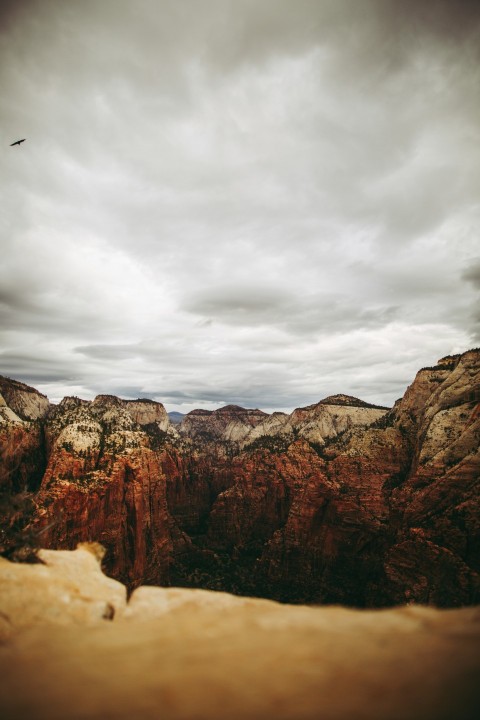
(340, 502)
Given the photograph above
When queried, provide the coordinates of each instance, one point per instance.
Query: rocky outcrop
(26, 402)
(106, 481)
(407, 516)
(230, 423)
(438, 503)
(71, 646)
(318, 423)
(22, 456)
(338, 502)
(22, 451)
(64, 587)
(143, 412)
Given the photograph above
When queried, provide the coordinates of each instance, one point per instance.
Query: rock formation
(230, 423)
(22, 451)
(73, 647)
(105, 480)
(338, 502)
(25, 402)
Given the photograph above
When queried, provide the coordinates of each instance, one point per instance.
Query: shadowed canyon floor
(72, 647)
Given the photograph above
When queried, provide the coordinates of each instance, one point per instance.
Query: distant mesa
(236, 409)
(349, 401)
(176, 417)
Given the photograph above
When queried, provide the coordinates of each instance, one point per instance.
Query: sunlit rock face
(339, 502)
(26, 402)
(332, 417)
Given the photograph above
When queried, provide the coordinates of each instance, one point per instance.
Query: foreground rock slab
(65, 587)
(181, 654)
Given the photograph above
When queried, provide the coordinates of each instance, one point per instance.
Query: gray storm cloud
(238, 201)
(472, 274)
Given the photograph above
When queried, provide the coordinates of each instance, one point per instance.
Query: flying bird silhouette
(17, 142)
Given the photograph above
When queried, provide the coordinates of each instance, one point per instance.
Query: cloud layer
(219, 201)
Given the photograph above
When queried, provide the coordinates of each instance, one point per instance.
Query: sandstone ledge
(190, 654)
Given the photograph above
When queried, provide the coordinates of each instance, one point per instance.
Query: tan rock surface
(230, 423)
(24, 401)
(6, 414)
(197, 655)
(67, 587)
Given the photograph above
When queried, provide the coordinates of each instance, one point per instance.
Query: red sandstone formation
(22, 460)
(340, 502)
(106, 480)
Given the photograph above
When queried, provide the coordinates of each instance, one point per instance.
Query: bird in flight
(17, 142)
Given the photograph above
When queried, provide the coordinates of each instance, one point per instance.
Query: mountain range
(338, 502)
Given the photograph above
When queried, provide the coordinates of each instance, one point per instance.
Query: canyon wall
(339, 502)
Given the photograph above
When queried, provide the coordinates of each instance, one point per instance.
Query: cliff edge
(71, 646)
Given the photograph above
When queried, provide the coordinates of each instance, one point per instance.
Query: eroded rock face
(339, 502)
(26, 402)
(22, 456)
(106, 481)
(439, 501)
(73, 647)
(230, 423)
(22, 447)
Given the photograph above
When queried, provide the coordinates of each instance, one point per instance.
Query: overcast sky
(261, 202)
